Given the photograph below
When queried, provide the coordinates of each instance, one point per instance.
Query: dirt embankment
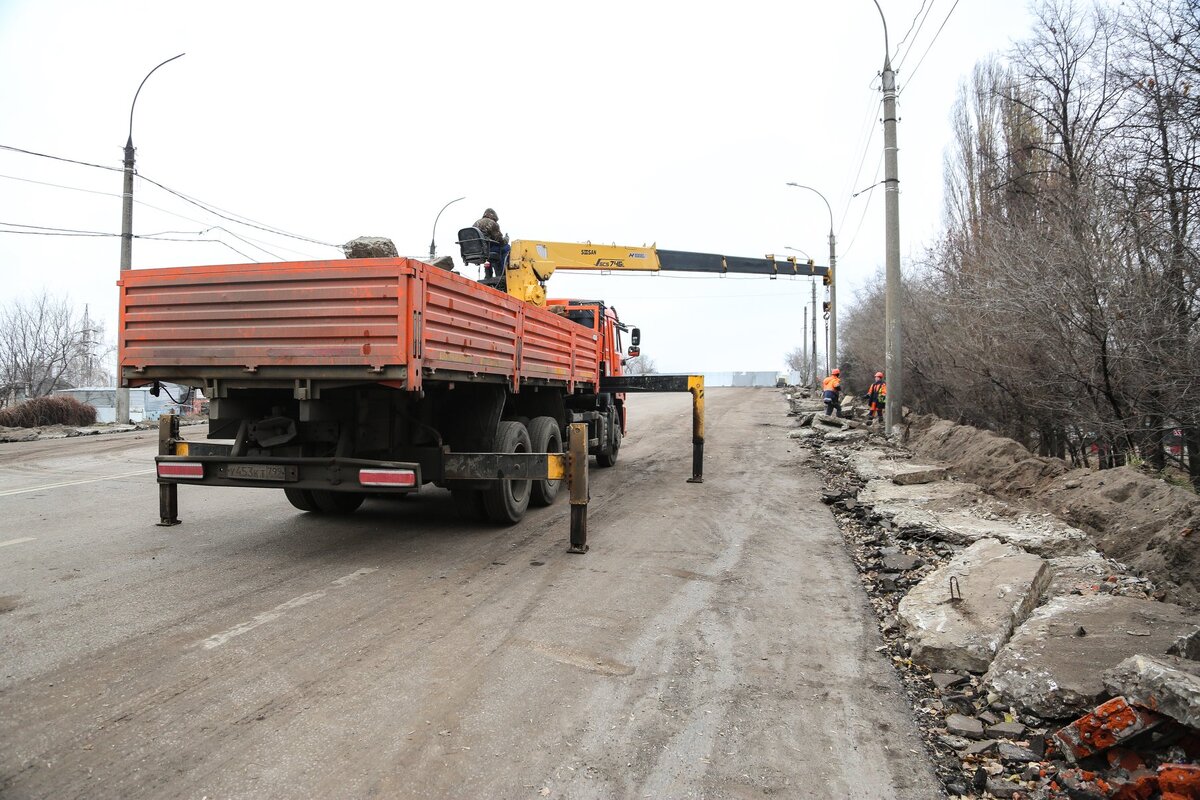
(1135, 518)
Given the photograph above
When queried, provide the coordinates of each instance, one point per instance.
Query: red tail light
(181, 470)
(387, 477)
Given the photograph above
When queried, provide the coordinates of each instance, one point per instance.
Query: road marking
(218, 639)
(9, 492)
(18, 541)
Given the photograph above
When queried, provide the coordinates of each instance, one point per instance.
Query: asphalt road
(714, 643)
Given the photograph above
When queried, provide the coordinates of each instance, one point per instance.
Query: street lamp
(893, 347)
(816, 378)
(831, 277)
(122, 413)
(433, 240)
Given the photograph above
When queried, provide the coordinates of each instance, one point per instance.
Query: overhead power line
(58, 158)
(933, 41)
(913, 24)
(226, 215)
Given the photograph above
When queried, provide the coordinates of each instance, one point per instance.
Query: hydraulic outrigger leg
(670, 383)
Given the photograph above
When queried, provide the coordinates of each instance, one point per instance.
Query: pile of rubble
(1038, 667)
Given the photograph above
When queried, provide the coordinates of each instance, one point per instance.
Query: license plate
(258, 472)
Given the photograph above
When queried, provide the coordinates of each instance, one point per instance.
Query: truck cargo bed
(395, 320)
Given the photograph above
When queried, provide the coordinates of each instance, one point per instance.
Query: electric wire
(209, 207)
(866, 207)
(247, 239)
(861, 162)
(933, 41)
(916, 16)
(44, 230)
(59, 158)
(226, 215)
(900, 59)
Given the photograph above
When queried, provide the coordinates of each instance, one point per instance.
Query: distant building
(764, 379)
(143, 406)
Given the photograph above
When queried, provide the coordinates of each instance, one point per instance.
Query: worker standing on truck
(877, 397)
(489, 226)
(833, 393)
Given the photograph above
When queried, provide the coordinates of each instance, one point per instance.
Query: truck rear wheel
(545, 437)
(328, 502)
(301, 499)
(506, 501)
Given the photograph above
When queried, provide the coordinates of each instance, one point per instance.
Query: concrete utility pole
(893, 346)
(122, 415)
(832, 346)
(433, 240)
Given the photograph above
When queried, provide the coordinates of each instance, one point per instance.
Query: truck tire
(545, 437)
(328, 502)
(469, 504)
(608, 456)
(302, 499)
(506, 501)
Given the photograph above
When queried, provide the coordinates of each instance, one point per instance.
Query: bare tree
(640, 365)
(45, 345)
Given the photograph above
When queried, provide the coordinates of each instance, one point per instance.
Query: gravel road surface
(714, 643)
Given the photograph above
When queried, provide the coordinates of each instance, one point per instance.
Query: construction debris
(999, 735)
(370, 247)
(1169, 685)
(1054, 663)
(961, 614)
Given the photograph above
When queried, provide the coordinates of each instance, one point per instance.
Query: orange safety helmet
(837, 371)
(878, 374)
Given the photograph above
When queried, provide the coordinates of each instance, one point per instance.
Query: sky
(619, 122)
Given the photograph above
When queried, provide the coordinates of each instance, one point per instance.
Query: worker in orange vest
(833, 393)
(877, 397)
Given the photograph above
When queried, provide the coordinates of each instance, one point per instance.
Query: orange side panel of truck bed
(360, 317)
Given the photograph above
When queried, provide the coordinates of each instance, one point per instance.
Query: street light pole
(832, 277)
(122, 411)
(433, 239)
(893, 347)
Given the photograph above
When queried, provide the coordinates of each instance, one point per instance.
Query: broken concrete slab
(803, 433)
(830, 422)
(1167, 684)
(917, 474)
(947, 680)
(961, 725)
(889, 499)
(1053, 664)
(999, 584)
(845, 436)
(902, 562)
(1006, 730)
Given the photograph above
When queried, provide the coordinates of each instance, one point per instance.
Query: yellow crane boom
(531, 263)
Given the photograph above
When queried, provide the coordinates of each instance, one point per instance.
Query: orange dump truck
(333, 380)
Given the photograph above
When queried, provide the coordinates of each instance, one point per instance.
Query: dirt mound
(1138, 519)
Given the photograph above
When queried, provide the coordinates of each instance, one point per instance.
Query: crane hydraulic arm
(531, 263)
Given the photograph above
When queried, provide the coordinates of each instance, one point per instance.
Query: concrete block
(1054, 663)
(803, 433)
(915, 475)
(1006, 730)
(846, 436)
(960, 725)
(1167, 684)
(902, 562)
(999, 584)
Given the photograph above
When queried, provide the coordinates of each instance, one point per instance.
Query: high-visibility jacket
(878, 393)
(833, 387)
